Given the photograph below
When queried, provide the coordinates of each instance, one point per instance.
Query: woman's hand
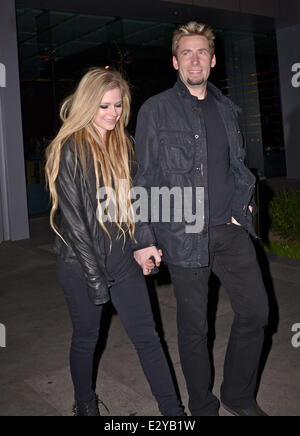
(143, 258)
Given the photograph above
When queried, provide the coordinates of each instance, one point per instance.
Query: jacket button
(197, 136)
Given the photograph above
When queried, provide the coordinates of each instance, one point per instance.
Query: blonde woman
(95, 260)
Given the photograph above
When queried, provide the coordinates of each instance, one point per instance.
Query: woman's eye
(119, 105)
(103, 107)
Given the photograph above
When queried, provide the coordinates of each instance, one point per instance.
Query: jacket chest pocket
(177, 152)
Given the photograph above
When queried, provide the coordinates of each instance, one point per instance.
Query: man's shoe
(253, 410)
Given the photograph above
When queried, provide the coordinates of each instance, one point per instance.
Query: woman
(95, 261)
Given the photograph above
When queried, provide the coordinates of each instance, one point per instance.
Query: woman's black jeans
(130, 299)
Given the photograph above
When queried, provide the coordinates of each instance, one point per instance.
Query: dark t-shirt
(120, 261)
(220, 177)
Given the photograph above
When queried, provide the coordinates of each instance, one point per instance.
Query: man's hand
(143, 258)
(235, 221)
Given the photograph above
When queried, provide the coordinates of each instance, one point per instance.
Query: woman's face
(109, 111)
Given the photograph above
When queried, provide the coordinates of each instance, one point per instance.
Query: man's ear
(175, 63)
(213, 61)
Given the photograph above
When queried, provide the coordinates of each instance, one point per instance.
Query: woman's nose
(114, 112)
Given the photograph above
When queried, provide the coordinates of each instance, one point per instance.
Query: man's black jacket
(171, 151)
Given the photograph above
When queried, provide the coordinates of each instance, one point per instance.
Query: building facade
(47, 45)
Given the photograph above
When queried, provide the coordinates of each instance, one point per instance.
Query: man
(188, 136)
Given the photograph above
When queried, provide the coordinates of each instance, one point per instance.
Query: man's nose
(195, 58)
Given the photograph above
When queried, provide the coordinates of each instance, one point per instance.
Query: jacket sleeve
(70, 188)
(146, 151)
(253, 205)
(237, 111)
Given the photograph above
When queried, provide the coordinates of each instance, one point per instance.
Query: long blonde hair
(114, 154)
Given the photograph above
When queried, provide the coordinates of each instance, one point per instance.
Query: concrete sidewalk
(34, 367)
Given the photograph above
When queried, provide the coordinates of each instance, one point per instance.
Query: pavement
(34, 366)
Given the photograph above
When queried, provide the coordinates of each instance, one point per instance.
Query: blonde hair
(113, 154)
(191, 29)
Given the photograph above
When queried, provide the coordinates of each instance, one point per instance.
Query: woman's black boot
(90, 408)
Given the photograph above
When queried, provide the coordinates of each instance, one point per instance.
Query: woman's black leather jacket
(79, 226)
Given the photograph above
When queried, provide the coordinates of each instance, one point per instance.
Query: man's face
(194, 60)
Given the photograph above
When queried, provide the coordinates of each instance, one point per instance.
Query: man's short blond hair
(190, 29)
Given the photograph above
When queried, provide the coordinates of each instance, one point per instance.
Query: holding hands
(143, 258)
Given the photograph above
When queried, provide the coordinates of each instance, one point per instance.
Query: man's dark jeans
(233, 260)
